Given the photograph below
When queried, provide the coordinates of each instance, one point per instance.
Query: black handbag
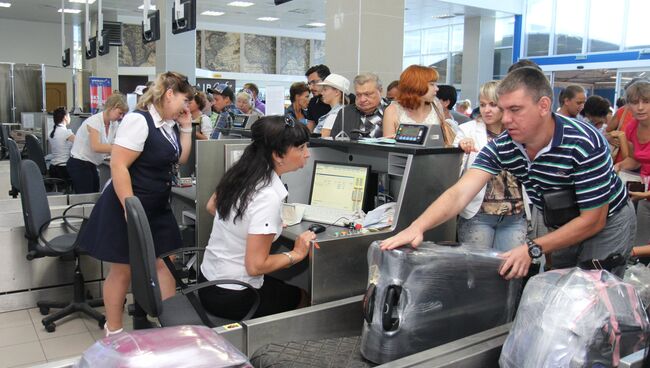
(560, 207)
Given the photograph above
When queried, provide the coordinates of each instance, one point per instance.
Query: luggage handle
(369, 303)
(390, 323)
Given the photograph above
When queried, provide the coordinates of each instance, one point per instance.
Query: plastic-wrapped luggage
(180, 346)
(575, 318)
(421, 298)
(639, 277)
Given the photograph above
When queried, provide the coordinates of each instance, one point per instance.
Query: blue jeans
(497, 232)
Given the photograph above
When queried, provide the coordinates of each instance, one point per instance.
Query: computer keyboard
(326, 215)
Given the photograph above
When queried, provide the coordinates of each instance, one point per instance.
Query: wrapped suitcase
(421, 298)
(575, 318)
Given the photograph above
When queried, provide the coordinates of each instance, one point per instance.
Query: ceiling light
(443, 16)
(212, 13)
(268, 19)
(5, 5)
(241, 4)
(82, 1)
(71, 11)
(316, 24)
(151, 7)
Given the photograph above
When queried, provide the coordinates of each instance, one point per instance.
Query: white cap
(139, 90)
(336, 81)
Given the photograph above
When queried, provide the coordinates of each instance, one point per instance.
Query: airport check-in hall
(321, 184)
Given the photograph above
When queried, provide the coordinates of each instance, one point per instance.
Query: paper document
(292, 213)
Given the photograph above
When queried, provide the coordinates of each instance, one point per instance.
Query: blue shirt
(224, 120)
(578, 156)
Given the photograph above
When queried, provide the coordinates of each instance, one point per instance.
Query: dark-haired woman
(60, 140)
(148, 147)
(247, 206)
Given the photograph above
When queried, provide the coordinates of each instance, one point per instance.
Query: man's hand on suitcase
(411, 235)
(516, 264)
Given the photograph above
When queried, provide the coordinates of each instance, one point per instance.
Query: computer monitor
(339, 185)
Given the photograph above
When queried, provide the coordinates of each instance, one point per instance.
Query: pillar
(174, 52)
(478, 55)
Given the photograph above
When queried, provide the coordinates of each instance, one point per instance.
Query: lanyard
(171, 140)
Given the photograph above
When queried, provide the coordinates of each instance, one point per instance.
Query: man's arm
(448, 205)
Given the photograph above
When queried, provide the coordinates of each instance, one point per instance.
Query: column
(107, 65)
(174, 52)
(365, 36)
(478, 55)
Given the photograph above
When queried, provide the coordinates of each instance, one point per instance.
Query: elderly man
(550, 155)
(367, 113)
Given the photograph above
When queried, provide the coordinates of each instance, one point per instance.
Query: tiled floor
(24, 341)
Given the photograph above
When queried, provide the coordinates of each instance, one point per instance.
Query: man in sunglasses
(224, 105)
(316, 108)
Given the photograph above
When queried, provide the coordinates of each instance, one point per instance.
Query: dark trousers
(84, 175)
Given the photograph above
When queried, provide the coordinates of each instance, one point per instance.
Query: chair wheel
(44, 310)
(50, 327)
(101, 323)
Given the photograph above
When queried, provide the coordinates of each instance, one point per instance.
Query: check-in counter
(416, 177)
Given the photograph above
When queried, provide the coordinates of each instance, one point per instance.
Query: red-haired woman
(416, 102)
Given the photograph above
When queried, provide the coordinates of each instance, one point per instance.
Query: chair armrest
(202, 285)
(65, 215)
(45, 226)
(182, 250)
(170, 265)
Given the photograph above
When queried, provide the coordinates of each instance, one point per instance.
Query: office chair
(182, 309)
(37, 217)
(35, 153)
(14, 167)
(4, 137)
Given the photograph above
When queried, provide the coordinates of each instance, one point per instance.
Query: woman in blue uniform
(148, 147)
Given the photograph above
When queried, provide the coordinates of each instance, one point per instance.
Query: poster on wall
(202, 84)
(100, 90)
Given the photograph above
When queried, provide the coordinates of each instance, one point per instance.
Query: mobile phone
(635, 186)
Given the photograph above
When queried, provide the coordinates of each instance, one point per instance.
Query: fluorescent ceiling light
(212, 13)
(151, 7)
(71, 11)
(241, 4)
(82, 1)
(5, 5)
(316, 24)
(268, 19)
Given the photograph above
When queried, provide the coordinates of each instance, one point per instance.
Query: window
(439, 62)
(605, 26)
(538, 27)
(435, 40)
(412, 43)
(569, 26)
(502, 61)
(504, 29)
(440, 46)
(637, 25)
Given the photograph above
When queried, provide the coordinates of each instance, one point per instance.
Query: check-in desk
(416, 177)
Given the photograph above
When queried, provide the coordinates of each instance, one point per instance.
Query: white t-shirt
(81, 148)
(327, 121)
(226, 250)
(60, 146)
(134, 130)
(206, 126)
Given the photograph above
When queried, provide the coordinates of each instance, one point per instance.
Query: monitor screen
(338, 185)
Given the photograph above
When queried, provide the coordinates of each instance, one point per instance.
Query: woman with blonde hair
(150, 144)
(93, 142)
(495, 218)
(417, 103)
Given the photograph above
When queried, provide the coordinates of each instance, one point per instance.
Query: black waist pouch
(560, 207)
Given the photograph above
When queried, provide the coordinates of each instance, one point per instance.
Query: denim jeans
(497, 232)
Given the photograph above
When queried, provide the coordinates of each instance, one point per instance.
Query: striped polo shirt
(578, 156)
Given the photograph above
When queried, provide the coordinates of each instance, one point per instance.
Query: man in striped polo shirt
(545, 152)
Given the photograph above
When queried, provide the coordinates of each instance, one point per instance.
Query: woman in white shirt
(60, 139)
(93, 142)
(247, 206)
(202, 121)
(334, 89)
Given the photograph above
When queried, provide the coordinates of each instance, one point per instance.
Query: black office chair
(4, 137)
(35, 153)
(14, 168)
(37, 217)
(182, 309)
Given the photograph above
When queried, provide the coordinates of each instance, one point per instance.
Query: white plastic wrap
(639, 277)
(177, 347)
(575, 318)
(425, 297)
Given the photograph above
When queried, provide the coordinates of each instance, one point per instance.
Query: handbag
(560, 207)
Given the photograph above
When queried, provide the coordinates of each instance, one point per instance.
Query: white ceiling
(293, 15)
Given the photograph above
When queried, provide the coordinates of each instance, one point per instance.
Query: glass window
(457, 32)
(435, 40)
(538, 27)
(504, 29)
(456, 68)
(440, 63)
(412, 43)
(569, 26)
(502, 61)
(605, 26)
(637, 25)
(410, 60)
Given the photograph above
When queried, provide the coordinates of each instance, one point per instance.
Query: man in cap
(223, 104)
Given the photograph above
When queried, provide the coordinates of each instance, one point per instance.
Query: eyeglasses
(289, 121)
(314, 82)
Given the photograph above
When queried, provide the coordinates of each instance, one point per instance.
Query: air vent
(114, 30)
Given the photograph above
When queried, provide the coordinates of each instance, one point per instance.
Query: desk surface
(185, 192)
(331, 232)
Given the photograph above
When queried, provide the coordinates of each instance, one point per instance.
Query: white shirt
(327, 121)
(206, 126)
(81, 148)
(475, 130)
(226, 250)
(134, 130)
(60, 146)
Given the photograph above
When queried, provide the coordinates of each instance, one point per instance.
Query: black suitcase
(421, 298)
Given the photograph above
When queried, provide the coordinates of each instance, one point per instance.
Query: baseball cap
(223, 90)
(139, 90)
(336, 81)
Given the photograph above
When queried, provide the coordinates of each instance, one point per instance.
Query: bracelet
(291, 260)
(185, 130)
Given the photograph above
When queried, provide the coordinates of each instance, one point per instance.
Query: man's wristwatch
(534, 250)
